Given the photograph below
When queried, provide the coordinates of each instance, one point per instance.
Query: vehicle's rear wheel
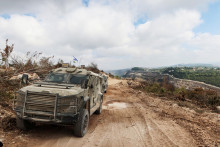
(81, 127)
(23, 124)
(99, 110)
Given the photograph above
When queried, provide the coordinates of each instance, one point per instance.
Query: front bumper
(42, 117)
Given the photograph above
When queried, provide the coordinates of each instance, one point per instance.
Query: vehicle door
(91, 91)
(97, 91)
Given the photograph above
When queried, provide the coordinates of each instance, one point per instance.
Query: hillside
(207, 75)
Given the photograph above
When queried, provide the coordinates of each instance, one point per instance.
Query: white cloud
(105, 32)
(25, 28)
(168, 30)
(206, 47)
(153, 8)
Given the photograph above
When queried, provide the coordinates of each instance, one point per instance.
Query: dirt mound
(7, 117)
(8, 123)
(4, 105)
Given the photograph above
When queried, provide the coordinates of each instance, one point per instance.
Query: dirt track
(132, 118)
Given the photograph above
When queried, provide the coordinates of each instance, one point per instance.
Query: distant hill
(119, 72)
(122, 72)
(190, 65)
(194, 65)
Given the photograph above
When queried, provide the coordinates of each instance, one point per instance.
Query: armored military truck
(104, 83)
(67, 96)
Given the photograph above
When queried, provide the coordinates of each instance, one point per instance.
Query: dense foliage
(208, 75)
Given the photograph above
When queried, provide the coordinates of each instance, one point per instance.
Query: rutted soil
(129, 118)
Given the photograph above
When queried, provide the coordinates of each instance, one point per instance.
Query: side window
(77, 79)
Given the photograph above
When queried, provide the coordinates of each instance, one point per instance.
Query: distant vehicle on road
(104, 83)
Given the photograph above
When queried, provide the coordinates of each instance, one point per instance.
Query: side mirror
(84, 84)
(24, 79)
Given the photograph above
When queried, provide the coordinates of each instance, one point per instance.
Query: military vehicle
(104, 83)
(67, 96)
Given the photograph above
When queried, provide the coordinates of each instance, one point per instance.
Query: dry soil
(129, 118)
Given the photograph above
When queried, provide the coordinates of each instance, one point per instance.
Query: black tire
(81, 127)
(23, 124)
(99, 110)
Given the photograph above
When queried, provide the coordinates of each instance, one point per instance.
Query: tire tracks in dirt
(133, 118)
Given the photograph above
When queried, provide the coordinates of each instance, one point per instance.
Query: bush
(156, 88)
(111, 75)
(214, 101)
(208, 98)
(93, 67)
(199, 96)
(117, 77)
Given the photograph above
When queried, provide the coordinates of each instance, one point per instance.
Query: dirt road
(132, 118)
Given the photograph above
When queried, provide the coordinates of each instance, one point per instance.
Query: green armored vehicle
(104, 83)
(67, 96)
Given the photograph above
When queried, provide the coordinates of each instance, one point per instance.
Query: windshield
(66, 78)
(56, 78)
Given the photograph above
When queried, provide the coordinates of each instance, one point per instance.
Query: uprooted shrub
(5, 53)
(93, 67)
(8, 123)
(45, 62)
(32, 62)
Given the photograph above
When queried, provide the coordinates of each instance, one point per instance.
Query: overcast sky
(115, 34)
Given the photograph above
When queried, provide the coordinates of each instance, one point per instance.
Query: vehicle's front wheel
(81, 126)
(23, 124)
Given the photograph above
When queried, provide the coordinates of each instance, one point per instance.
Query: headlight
(19, 102)
(70, 109)
(67, 105)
